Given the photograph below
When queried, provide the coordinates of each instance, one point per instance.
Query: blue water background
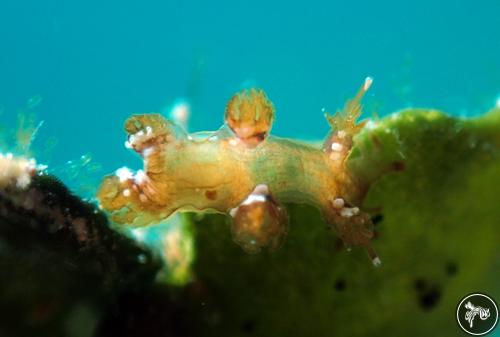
(94, 63)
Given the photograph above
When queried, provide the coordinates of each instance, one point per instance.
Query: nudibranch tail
(353, 226)
(344, 126)
(346, 119)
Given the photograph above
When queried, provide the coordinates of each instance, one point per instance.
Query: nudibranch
(243, 171)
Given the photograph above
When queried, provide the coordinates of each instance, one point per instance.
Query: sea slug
(243, 171)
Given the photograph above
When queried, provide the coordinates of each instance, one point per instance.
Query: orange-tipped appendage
(250, 115)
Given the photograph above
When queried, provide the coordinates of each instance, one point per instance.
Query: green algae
(438, 240)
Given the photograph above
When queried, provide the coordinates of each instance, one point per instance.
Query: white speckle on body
(148, 151)
(140, 177)
(347, 212)
(338, 203)
(233, 211)
(337, 147)
(124, 174)
(254, 198)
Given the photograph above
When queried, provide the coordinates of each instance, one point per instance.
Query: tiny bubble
(34, 101)
(142, 258)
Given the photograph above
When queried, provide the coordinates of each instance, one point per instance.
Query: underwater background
(71, 72)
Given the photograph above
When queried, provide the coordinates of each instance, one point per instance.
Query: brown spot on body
(211, 194)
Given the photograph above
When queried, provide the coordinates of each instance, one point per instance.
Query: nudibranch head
(249, 114)
(148, 130)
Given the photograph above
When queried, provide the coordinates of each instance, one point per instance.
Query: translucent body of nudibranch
(242, 171)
